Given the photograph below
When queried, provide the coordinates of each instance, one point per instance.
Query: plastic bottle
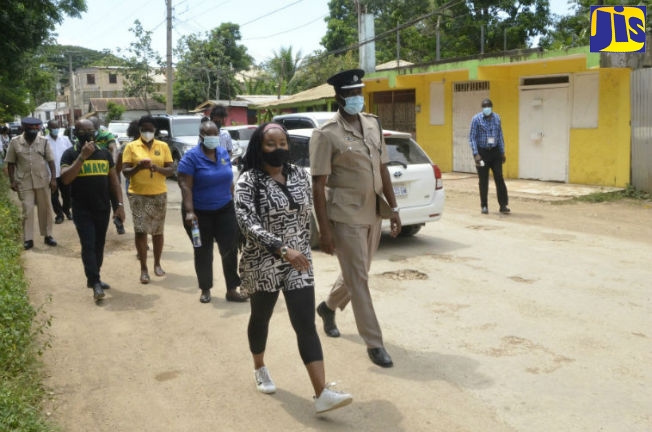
(196, 239)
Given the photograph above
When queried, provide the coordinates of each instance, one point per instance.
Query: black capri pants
(301, 308)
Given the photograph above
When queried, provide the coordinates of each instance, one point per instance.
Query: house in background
(101, 82)
(134, 107)
(240, 110)
(52, 110)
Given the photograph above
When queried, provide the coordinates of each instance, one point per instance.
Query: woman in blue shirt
(206, 182)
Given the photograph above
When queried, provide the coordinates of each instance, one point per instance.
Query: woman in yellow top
(147, 162)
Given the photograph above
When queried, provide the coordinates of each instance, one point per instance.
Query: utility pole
(169, 74)
(72, 92)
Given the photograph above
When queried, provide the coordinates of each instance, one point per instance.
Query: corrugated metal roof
(317, 94)
(130, 103)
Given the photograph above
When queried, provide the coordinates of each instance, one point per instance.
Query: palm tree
(282, 67)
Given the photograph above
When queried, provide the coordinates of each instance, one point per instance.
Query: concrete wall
(597, 156)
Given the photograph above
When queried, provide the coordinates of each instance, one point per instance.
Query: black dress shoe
(235, 296)
(485, 210)
(504, 209)
(68, 216)
(205, 296)
(98, 292)
(58, 220)
(28, 244)
(329, 320)
(380, 357)
(105, 286)
(50, 241)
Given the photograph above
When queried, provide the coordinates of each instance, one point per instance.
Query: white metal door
(467, 98)
(544, 122)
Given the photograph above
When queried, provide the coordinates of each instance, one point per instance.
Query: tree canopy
(24, 27)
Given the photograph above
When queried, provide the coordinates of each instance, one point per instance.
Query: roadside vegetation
(629, 192)
(22, 332)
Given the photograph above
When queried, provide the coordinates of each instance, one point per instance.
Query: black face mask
(85, 137)
(30, 134)
(276, 158)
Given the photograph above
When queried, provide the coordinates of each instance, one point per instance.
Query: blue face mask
(353, 104)
(54, 132)
(486, 111)
(211, 142)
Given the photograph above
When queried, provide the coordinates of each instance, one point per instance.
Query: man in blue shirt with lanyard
(488, 146)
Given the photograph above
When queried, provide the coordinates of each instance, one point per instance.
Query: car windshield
(242, 134)
(120, 128)
(405, 150)
(186, 127)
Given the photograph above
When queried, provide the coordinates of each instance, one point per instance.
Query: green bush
(21, 336)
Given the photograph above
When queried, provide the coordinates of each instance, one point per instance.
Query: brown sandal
(144, 277)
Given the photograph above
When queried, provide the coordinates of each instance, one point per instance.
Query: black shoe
(485, 210)
(235, 296)
(504, 209)
(105, 286)
(380, 357)
(329, 320)
(98, 292)
(120, 228)
(58, 219)
(50, 241)
(28, 244)
(205, 296)
(68, 215)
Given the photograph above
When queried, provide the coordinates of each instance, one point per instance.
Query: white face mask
(147, 136)
(211, 142)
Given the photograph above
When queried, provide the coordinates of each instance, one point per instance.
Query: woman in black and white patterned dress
(273, 204)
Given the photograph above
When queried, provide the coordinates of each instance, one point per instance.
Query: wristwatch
(395, 209)
(120, 204)
(284, 251)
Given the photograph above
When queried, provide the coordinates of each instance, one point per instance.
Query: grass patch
(629, 192)
(21, 332)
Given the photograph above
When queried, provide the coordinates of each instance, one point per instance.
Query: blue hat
(31, 121)
(346, 80)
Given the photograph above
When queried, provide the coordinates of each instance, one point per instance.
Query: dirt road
(538, 321)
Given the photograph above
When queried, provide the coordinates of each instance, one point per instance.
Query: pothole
(406, 274)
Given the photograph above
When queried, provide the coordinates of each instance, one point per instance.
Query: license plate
(400, 191)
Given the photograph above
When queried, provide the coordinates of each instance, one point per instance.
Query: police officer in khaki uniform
(348, 161)
(30, 164)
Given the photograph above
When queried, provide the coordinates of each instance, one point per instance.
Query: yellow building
(564, 118)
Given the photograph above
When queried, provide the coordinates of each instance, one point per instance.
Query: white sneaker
(330, 399)
(264, 382)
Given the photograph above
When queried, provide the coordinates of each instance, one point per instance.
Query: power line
(270, 13)
(287, 31)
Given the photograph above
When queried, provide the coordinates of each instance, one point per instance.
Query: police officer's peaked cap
(346, 80)
(31, 121)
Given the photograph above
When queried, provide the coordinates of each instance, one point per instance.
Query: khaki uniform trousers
(40, 197)
(355, 246)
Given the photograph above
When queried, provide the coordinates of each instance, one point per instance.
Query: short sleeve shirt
(146, 182)
(211, 181)
(226, 141)
(90, 189)
(352, 161)
(32, 170)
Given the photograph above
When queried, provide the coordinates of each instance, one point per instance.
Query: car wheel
(314, 233)
(410, 230)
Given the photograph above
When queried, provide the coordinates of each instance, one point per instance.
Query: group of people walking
(265, 214)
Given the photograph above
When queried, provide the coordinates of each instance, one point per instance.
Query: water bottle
(196, 239)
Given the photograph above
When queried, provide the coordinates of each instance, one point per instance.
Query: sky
(265, 26)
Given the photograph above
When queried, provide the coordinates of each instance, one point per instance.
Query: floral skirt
(148, 212)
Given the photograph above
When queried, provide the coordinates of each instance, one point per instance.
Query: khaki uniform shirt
(32, 170)
(352, 162)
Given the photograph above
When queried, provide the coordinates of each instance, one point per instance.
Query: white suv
(417, 181)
